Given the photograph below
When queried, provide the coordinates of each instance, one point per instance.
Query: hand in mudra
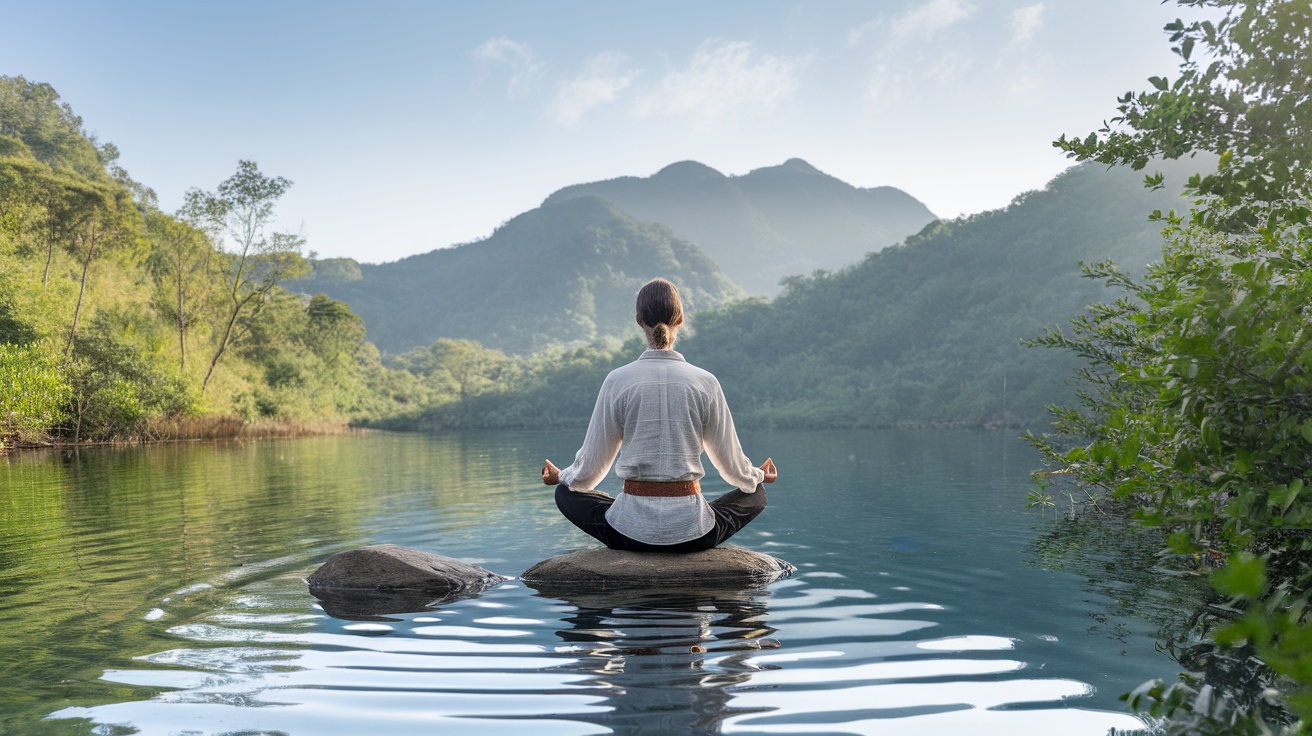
(771, 472)
(551, 474)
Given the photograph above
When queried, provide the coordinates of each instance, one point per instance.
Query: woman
(658, 414)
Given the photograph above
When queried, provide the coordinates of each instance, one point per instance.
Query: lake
(160, 590)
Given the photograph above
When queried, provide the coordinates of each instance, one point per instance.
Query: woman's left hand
(550, 474)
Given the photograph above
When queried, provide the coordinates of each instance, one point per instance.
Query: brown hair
(660, 308)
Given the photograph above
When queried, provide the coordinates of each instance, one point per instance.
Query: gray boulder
(387, 578)
(721, 568)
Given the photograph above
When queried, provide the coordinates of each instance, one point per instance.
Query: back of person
(653, 420)
(663, 405)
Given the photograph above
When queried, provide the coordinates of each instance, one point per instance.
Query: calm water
(160, 591)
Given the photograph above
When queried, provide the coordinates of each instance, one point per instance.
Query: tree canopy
(1196, 408)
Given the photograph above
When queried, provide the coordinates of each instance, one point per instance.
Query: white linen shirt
(658, 414)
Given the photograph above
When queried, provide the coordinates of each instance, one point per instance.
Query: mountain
(930, 331)
(563, 273)
(770, 223)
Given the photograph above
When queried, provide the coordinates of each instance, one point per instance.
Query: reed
(200, 429)
(174, 429)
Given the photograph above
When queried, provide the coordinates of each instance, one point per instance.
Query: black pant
(587, 511)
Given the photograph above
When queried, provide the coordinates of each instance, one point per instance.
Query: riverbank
(198, 429)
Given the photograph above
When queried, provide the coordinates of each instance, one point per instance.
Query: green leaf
(1130, 451)
(1181, 543)
(1243, 576)
(1244, 461)
(1282, 497)
(1158, 82)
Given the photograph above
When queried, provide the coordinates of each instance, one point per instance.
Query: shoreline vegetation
(198, 429)
(1194, 414)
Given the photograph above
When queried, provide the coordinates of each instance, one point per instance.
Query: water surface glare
(161, 590)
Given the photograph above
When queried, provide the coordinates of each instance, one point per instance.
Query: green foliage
(1241, 93)
(115, 387)
(332, 271)
(31, 115)
(1200, 397)
(182, 264)
(80, 242)
(240, 212)
(334, 333)
(555, 387)
(33, 392)
(1197, 409)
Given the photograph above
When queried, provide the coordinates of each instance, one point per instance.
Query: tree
(32, 113)
(1197, 408)
(180, 262)
(107, 220)
(1249, 105)
(239, 214)
(335, 332)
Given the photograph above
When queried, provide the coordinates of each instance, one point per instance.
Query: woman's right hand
(771, 472)
(551, 474)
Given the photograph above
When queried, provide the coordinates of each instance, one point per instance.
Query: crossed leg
(587, 510)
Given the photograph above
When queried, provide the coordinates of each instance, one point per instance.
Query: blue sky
(408, 126)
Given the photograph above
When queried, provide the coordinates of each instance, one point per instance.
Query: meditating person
(658, 414)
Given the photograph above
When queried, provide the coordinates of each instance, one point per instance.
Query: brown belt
(665, 489)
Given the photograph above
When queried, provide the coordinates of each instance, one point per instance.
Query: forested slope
(564, 273)
(118, 320)
(929, 331)
(926, 332)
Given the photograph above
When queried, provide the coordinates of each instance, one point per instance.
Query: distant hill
(770, 223)
(929, 331)
(563, 273)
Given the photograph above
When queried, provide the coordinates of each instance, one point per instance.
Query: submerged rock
(386, 578)
(606, 569)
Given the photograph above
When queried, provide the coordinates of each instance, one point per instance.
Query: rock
(608, 569)
(387, 578)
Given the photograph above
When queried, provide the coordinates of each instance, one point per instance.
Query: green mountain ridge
(563, 273)
(768, 224)
(929, 331)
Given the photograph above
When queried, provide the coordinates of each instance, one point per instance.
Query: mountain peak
(793, 167)
(688, 171)
(799, 166)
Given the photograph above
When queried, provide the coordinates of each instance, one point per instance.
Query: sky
(409, 126)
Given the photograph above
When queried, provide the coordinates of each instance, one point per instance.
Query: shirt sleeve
(720, 440)
(600, 445)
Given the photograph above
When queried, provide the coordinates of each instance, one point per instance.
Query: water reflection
(162, 590)
(865, 667)
(269, 663)
(666, 661)
(1133, 584)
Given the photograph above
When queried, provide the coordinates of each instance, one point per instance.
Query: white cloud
(524, 65)
(722, 77)
(904, 54)
(926, 20)
(604, 77)
(1025, 22)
